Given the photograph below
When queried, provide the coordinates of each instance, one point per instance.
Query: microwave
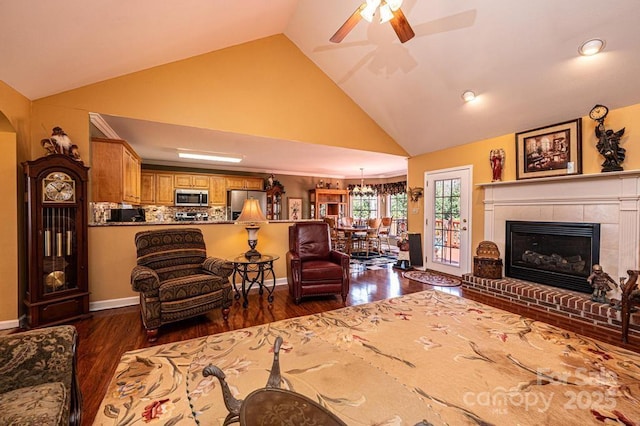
(192, 197)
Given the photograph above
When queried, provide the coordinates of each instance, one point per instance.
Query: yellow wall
(477, 154)
(14, 136)
(266, 88)
(114, 245)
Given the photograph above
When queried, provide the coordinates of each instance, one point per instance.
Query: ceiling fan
(389, 11)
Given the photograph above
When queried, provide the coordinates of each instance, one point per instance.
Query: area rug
(372, 262)
(432, 278)
(428, 356)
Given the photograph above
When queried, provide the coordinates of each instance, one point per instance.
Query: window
(398, 210)
(364, 208)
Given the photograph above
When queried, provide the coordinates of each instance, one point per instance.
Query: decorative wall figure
(496, 160)
(608, 141)
(415, 193)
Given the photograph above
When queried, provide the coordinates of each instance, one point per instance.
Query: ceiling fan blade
(401, 26)
(348, 25)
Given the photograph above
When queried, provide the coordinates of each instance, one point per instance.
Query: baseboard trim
(5, 325)
(114, 303)
(101, 305)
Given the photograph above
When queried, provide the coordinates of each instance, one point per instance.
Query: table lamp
(251, 216)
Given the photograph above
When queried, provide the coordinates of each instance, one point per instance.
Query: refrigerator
(235, 201)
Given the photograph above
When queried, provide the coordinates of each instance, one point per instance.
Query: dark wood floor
(108, 334)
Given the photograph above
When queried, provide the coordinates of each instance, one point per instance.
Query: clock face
(59, 187)
(598, 112)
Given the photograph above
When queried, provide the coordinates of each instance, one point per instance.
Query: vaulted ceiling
(519, 57)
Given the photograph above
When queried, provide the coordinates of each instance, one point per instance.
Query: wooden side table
(253, 270)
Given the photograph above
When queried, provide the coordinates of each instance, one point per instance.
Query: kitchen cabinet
(217, 191)
(115, 172)
(243, 182)
(329, 203)
(164, 189)
(181, 180)
(147, 188)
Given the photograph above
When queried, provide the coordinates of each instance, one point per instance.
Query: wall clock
(57, 251)
(598, 112)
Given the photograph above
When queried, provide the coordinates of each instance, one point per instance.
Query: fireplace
(559, 254)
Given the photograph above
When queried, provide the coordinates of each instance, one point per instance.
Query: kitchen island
(112, 253)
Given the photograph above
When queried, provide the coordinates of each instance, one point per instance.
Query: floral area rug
(432, 278)
(426, 356)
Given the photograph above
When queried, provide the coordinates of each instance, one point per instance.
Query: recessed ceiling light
(209, 157)
(591, 47)
(468, 95)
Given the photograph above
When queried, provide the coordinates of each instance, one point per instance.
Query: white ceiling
(520, 58)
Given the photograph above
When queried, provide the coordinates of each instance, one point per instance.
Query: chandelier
(362, 190)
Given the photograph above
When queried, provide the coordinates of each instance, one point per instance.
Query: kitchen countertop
(185, 222)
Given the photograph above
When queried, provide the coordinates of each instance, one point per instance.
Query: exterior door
(447, 225)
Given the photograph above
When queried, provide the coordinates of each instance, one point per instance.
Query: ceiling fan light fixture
(385, 13)
(370, 10)
(394, 4)
(468, 95)
(591, 47)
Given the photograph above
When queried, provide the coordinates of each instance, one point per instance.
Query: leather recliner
(313, 268)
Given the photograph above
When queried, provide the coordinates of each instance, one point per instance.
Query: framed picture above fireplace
(550, 151)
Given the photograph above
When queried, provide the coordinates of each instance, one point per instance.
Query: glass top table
(253, 271)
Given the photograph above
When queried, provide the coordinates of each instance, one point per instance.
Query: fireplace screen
(560, 254)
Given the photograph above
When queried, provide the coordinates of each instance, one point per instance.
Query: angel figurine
(496, 160)
(609, 147)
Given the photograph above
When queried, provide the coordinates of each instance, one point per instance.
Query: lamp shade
(251, 213)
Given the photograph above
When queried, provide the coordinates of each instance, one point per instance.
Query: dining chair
(347, 222)
(385, 230)
(338, 239)
(372, 239)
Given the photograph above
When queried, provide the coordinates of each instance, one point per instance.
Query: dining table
(353, 234)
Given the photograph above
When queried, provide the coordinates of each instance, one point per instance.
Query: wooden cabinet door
(234, 182)
(182, 181)
(164, 189)
(217, 190)
(131, 187)
(147, 188)
(241, 182)
(107, 172)
(254, 183)
(115, 172)
(200, 181)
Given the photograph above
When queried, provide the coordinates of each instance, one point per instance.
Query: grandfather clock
(57, 253)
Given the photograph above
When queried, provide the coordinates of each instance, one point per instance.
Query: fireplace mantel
(557, 179)
(611, 199)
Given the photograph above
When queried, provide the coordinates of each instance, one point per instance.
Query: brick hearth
(567, 309)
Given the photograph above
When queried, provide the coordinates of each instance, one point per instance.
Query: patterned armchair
(38, 383)
(175, 278)
(313, 268)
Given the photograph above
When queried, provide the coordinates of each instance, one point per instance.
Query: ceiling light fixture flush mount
(591, 47)
(468, 95)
